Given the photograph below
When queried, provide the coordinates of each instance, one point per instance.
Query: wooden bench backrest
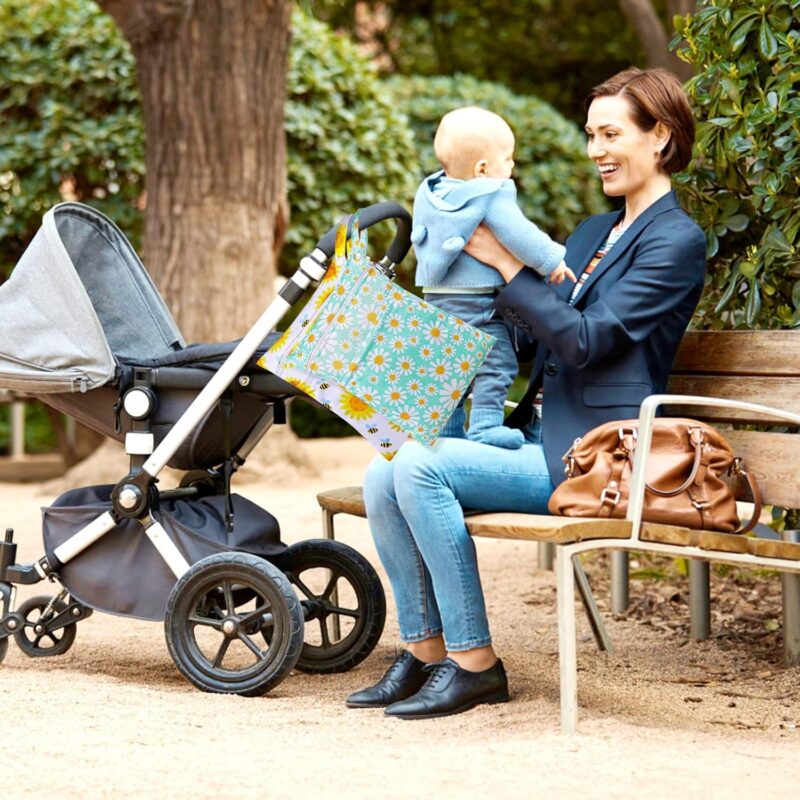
(756, 367)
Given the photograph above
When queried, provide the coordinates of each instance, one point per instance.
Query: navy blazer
(599, 358)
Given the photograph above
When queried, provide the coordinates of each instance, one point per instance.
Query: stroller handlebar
(370, 216)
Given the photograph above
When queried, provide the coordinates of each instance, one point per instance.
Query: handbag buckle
(627, 437)
(605, 497)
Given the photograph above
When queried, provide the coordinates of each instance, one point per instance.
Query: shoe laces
(398, 665)
(438, 670)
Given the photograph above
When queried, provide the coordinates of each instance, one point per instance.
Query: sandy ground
(661, 717)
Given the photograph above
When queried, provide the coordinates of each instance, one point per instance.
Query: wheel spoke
(303, 588)
(252, 615)
(230, 608)
(323, 626)
(252, 646)
(37, 640)
(223, 648)
(344, 612)
(331, 585)
(207, 621)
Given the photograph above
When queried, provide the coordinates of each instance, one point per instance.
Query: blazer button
(551, 369)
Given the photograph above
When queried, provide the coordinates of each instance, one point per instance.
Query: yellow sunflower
(354, 407)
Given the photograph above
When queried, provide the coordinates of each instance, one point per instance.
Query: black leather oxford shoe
(450, 689)
(402, 679)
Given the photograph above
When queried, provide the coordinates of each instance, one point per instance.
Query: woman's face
(626, 156)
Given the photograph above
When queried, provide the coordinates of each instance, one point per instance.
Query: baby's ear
(481, 168)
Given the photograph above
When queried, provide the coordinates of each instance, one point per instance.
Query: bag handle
(628, 444)
(371, 215)
(627, 438)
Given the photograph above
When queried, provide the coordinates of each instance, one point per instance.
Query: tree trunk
(653, 36)
(212, 77)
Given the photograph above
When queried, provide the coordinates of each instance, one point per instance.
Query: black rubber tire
(27, 640)
(348, 565)
(195, 602)
(3, 649)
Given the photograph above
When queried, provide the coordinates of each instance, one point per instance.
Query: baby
(476, 150)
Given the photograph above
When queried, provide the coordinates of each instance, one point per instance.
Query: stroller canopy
(78, 302)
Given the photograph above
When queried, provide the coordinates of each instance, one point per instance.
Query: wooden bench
(739, 378)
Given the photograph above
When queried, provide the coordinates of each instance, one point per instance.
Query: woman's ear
(661, 137)
(481, 168)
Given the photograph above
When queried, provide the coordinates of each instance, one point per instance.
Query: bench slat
(346, 500)
(739, 353)
(782, 393)
(543, 528)
(774, 461)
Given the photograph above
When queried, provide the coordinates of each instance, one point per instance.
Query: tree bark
(653, 35)
(212, 77)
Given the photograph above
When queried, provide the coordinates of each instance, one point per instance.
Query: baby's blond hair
(463, 137)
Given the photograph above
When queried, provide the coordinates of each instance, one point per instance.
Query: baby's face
(499, 156)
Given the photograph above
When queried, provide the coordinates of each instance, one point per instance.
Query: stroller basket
(123, 573)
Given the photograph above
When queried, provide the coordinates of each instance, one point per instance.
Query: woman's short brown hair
(655, 95)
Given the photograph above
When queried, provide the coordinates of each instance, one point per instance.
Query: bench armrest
(647, 415)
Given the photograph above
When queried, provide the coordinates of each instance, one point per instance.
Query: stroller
(85, 331)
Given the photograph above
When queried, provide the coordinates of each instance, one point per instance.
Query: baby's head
(472, 142)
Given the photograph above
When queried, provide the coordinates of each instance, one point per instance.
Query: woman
(601, 346)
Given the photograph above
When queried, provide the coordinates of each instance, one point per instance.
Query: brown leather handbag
(684, 484)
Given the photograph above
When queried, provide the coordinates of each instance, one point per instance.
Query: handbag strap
(737, 468)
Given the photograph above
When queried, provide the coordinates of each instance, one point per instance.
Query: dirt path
(659, 718)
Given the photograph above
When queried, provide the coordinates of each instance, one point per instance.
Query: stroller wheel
(3, 648)
(215, 615)
(34, 638)
(343, 604)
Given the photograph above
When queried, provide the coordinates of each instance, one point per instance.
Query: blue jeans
(415, 511)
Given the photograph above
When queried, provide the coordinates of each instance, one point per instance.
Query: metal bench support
(790, 588)
(619, 582)
(699, 600)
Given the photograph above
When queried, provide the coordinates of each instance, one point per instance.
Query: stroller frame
(135, 495)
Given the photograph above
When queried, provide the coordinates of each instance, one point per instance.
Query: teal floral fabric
(400, 356)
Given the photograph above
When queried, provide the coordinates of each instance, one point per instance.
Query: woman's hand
(484, 246)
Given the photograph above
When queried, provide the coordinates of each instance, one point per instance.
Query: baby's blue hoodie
(444, 222)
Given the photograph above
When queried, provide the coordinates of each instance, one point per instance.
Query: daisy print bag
(399, 365)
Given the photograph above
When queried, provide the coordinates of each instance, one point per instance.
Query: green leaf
(738, 222)
(796, 295)
(752, 309)
(767, 43)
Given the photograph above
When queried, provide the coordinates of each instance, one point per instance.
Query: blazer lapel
(582, 253)
(666, 203)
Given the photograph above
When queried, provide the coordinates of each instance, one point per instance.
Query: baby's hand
(560, 272)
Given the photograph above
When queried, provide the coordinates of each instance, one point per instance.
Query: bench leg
(327, 524)
(619, 582)
(790, 592)
(567, 654)
(699, 600)
(544, 555)
(601, 637)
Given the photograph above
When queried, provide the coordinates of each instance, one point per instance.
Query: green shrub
(742, 186)
(556, 182)
(69, 118)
